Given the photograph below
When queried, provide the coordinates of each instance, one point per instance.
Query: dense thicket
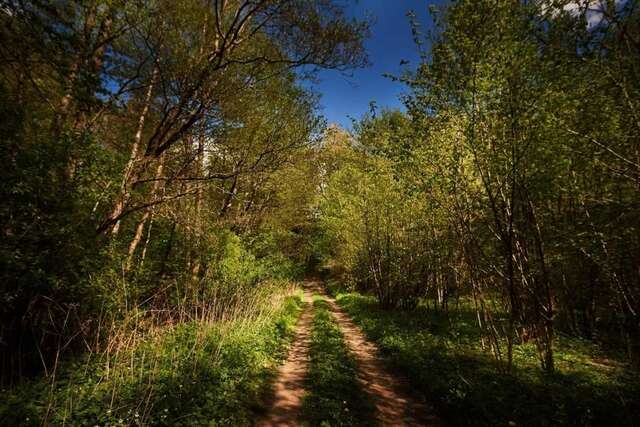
(512, 178)
(145, 150)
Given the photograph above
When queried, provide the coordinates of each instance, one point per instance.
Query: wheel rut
(289, 388)
(396, 403)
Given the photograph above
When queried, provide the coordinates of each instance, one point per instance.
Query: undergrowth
(442, 356)
(334, 397)
(199, 372)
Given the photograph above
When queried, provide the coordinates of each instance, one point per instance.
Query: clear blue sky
(390, 42)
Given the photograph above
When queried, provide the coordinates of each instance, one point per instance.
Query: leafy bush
(281, 253)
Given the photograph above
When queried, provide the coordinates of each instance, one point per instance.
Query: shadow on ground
(441, 356)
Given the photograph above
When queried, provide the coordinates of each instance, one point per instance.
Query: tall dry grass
(143, 366)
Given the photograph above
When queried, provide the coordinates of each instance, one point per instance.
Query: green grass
(334, 395)
(443, 358)
(192, 374)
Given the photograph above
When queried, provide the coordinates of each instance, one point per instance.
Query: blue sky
(390, 42)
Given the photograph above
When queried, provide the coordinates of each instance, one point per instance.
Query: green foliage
(377, 226)
(48, 249)
(503, 178)
(138, 155)
(154, 178)
(334, 397)
(235, 265)
(442, 356)
(274, 247)
(192, 374)
(532, 163)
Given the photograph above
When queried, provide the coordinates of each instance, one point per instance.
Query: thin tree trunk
(545, 301)
(147, 239)
(228, 200)
(136, 240)
(125, 190)
(195, 255)
(145, 217)
(165, 257)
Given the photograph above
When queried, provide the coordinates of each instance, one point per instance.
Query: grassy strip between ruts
(194, 374)
(443, 359)
(334, 396)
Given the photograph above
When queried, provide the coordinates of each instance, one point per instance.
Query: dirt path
(396, 403)
(288, 390)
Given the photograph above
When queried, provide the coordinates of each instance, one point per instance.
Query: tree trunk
(195, 253)
(145, 217)
(228, 200)
(147, 239)
(167, 252)
(125, 186)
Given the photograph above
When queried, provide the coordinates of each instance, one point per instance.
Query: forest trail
(289, 388)
(395, 402)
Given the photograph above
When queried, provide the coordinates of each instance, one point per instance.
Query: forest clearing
(320, 213)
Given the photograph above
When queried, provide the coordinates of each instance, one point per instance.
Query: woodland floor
(393, 402)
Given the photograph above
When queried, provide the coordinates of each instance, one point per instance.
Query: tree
(137, 135)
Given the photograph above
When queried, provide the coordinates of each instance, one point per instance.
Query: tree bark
(125, 186)
(145, 217)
